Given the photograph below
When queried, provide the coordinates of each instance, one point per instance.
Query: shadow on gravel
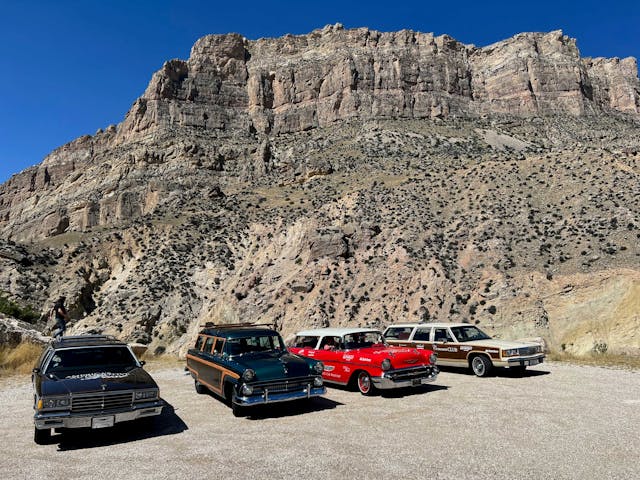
(410, 391)
(498, 372)
(167, 423)
(290, 409)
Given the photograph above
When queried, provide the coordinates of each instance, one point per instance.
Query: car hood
(273, 366)
(97, 382)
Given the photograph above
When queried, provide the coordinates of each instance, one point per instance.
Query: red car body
(360, 356)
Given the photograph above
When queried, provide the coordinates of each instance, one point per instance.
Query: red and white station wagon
(360, 356)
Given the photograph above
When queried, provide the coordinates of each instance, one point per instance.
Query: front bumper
(266, 397)
(406, 377)
(521, 361)
(45, 420)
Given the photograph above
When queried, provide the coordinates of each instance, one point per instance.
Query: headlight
(433, 358)
(318, 368)
(54, 403)
(145, 395)
(248, 375)
(512, 352)
(386, 364)
(317, 382)
(246, 390)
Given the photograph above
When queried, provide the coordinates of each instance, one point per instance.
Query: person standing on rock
(61, 318)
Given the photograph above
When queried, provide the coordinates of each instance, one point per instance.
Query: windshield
(468, 334)
(362, 340)
(113, 359)
(262, 343)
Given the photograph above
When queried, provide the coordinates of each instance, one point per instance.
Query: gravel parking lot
(559, 422)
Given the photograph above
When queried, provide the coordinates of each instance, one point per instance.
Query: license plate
(532, 362)
(102, 422)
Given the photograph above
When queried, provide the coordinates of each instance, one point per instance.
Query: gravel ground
(559, 421)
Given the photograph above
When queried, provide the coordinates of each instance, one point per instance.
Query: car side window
(442, 335)
(330, 343)
(219, 345)
(199, 342)
(422, 334)
(208, 344)
(305, 342)
(398, 333)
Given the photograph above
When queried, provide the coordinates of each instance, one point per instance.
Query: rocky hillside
(348, 177)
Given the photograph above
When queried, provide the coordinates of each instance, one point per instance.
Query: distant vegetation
(11, 308)
(20, 359)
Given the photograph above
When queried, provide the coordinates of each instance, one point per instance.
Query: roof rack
(222, 326)
(83, 338)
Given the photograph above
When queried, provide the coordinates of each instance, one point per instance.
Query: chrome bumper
(85, 419)
(406, 378)
(522, 361)
(266, 397)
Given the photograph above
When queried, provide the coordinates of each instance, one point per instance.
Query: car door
(445, 345)
(329, 351)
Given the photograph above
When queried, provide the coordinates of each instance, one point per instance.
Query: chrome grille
(410, 373)
(286, 386)
(103, 401)
(527, 351)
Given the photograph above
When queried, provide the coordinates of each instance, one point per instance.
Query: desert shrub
(11, 308)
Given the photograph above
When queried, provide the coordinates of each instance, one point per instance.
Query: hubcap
(365, 382)
(478, 366)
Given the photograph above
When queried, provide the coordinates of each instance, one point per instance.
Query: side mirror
(36, 370)
(142, 363)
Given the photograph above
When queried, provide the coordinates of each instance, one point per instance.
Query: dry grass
(598, 360)
(18, 360)
(155, 362)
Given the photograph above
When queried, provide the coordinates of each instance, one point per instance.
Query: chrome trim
(267, 397)
(83, 420)
(405, 377)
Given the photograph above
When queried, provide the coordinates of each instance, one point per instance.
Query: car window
(208, 344)
(469, 333)
(199, 343)
(398, 333)
(422, 334)
(217, 348)
(306, 341)
(72, 361)
(254, 344)
(362, 340)
(442, 335)
(330, 343)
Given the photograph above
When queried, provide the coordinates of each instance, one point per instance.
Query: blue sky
(69, 68)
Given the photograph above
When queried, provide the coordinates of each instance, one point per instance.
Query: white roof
(334, 332)
(433, 324)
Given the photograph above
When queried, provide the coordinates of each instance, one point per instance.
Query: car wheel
(481, 365)
(42, 437)
(365, 385)
(200, 388)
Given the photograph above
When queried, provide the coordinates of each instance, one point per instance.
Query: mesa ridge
(347, 177)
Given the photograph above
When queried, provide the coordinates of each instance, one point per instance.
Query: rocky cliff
(347, 177)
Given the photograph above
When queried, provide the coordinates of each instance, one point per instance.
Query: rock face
(347, 177)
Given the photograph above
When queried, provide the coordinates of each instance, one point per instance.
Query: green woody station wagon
(249, 364)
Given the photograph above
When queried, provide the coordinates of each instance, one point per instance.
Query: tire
(481, 365)
(364, 383)
(238, 410)
(200, 389)
(41, 437)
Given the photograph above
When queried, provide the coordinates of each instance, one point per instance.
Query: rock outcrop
(347, 177)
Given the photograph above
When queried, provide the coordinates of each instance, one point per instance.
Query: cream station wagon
(465, 345)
